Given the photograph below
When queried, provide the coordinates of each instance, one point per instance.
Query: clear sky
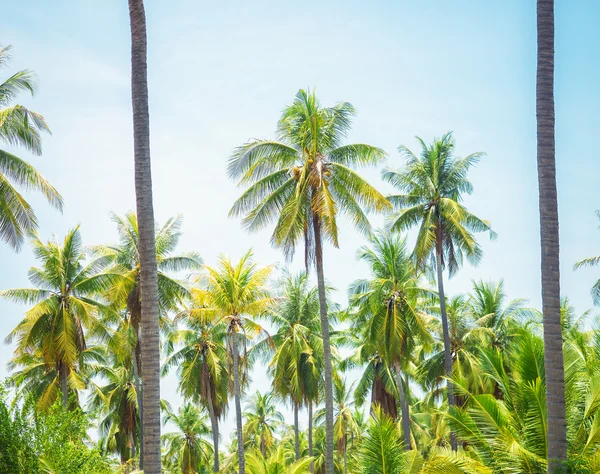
(220, 73)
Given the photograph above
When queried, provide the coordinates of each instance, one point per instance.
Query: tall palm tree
(64, 312)
(592, 262)
(187, 446)
(296, 365)
(235, 293)
(432, 186)
(549, 235)
(262, 419)
(20, 126)
(300, 182)
(387, 309)
(202, 364)
(150, 460)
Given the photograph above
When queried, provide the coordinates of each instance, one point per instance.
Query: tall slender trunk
(138, 393)
(549, 236)
(445, 329)
(310, 436)
(147, 247)
(214, 423)
(238, 402)
(296, 433)
(404, 408)
(346, 455)
(132, 441)
(329, 467)
(63, 384)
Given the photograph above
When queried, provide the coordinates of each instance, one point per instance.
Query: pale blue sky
(220, 73)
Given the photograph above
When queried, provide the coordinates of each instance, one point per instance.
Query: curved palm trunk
(147, 247)
(310, 437)
(214, 423)
(329, 467)
(548, 204)
(404, 408)
(445, 329)
(238, 402)
(296, 433)
(63, 384)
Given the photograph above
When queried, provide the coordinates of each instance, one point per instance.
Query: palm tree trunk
(329, 467)
(310, 436)
(214, 423)
(238, 402)
(63, 384)
(548, 204)
(445, 329)
(296, 432)
(138, 393)
(132, 441)
(404, 408)
(147, 246)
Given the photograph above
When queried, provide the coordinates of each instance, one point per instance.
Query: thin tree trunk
(346, 456)
(63, 384)
(445, 329)
(147, 246)
(310, 437)
(132, 441)
(214, 423)
(329, 467)
(404, 408)
(138, 393)
(549, 236)
(296, 432)
(238, 402)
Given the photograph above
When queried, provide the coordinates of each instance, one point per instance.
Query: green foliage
(18, 452)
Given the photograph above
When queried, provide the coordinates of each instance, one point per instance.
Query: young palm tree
(234, 294)
(187, 446)
(300, 182)
(262, 419)
(202, 365)
(432, 187)
(150, 460)
(387, 308)
(549, 235)
(64, 311)
(592, 262)
(20, 126)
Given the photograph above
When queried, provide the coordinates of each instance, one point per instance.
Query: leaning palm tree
(592, 262)
(262, 419)
(150, 354)
(300, 182)
(432, 186)
(187, 446)
(20, 126)
(64, 311)
(234, 294)
(549, 235)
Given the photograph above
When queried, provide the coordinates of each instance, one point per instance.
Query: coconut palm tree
(150, 353)
(262, 419)
(202, 364)
(592, 262)
(550, 263)
(20, 126)
(187, 446)
(432, 186)
(234, 294)
(64, 312)
(300, 182)
(387, 310)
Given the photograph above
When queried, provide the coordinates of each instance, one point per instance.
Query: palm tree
(549, 235)
(201, 364)
(387, 309)
(300, 182)
(233, 295)
(187, 445)
(64, 312)
(433, 185)
(150, 354)
(297, 363)
(262, 419)
(20, 126)
(592, 262)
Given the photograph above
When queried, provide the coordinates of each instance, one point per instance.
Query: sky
(221, 72)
